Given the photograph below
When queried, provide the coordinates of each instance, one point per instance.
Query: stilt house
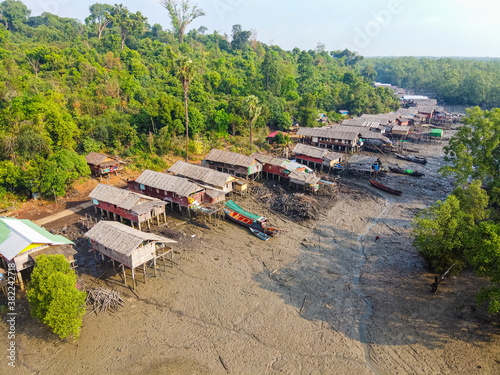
(204, 176)
(129, 247)
(101, 164)
(233, 163)
(124, 204)
(176, 190)
(318, 158)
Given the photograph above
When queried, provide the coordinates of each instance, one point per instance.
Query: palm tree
(252, 110)
(185, 73)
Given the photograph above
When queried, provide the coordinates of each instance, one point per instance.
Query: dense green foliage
(455, 81)
(112, 85)
(474, 152)
(462, 230)
(53, 296)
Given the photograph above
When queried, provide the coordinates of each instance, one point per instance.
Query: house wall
(165, 195)
(274, 169)
(96, 169)
(119, 211)
(309, 159)
(226, 168)
(138, 257)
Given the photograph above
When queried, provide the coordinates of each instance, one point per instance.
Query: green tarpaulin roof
(436, 132)
(233, 206)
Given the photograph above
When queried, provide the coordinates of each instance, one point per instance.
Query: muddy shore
(326, 298)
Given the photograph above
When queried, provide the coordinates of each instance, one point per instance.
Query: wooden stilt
(132, 223)
(165, 216)
(114, 216)
(154, 266)
(133, 277)
(144, 271)
(108, 214)
(139, 225)
(124, 275)
(149, 225)
(95, 209)
(20, 280)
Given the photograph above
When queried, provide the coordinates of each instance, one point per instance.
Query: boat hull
(387, 189)
(250, 223)
(404, 172)
(412, 159)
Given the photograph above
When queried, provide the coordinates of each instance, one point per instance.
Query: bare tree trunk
(187, 122)
(251, 135)
(123, 41)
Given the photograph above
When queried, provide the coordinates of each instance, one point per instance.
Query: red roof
(273, 134)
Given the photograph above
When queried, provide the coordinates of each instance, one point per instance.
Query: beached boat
(413, 159)
(408, 172)
(249, 220)
(387, 189)
(262, 236)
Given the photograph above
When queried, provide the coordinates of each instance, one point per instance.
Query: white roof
(413, 97)
(21, 235)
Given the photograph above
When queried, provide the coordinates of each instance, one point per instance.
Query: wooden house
(400, 131)
(279, 168)
(176, 190)
(308, 181)
(22, 241)
(124, 204)
(362, 164)
(233, 163)
(319, 158)
(101, 164)
(129, 247)
(339, 140)
(343, 112)
(204, 176)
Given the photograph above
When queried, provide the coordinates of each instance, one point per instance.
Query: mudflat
(325, 298)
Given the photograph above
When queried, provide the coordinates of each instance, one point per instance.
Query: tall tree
(252, 112)
(127, 22)
(240, 38)
(100, 16)
(13, 14)
(475, 150)
(181, 13)
(185, 73)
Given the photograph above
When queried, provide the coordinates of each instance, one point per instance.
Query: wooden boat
(262, 236)
(413, 159)
(408, 172)
(387, 189)
(249, 220)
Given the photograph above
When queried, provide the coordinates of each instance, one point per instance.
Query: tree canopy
(53, 296)
(111, 85)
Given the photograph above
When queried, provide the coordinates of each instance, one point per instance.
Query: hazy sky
(371, 27)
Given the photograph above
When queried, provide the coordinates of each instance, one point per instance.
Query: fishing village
(195, 187)
(298, 258)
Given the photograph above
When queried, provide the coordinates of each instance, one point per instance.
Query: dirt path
(63, 214)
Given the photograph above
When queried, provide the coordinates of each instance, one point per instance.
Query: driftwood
(102, 299)
(438, 280)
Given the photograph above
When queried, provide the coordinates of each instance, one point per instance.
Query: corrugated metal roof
(121, 198)
(121, 238)
(16, 235)
(228, 157)
(269, 159)
(362, 159)
(162, 181)
(199, 173)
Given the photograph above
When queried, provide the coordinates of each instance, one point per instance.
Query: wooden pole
(133, 277)
(154, 265)
(144, 271)
(20, 278)
(124, 275)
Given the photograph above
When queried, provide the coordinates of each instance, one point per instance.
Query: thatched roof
(166, 182)
(199, 173)
(121, 198)
(303, 178)
(228, 157)
(363, 160)
(66, 250)
(95, 158)
(311, 151)
(121, 238)
(328, 132)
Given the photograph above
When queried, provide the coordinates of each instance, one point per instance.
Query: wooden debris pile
(298, 207)
(102, 299)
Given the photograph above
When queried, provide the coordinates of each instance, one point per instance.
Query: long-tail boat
(413, 159)
(408, 172)
(249, 220)
(387, 189)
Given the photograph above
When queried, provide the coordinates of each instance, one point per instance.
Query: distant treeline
(112, 85)
(455, 81)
